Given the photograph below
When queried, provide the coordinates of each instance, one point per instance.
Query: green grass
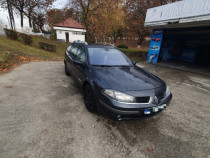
(33, 50)
(136, 55)
(10, 50)
(60, 46)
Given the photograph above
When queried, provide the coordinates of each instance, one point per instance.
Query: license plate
(147, 111)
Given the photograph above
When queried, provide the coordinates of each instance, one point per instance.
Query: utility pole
(11, 17)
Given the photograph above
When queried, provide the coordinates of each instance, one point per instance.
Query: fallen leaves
(8, 86)
(12, 62)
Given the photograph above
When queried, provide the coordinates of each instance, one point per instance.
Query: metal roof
(186, 13)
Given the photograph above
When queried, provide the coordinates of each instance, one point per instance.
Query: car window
(81, 54)
(69, 48)
(73, 51)
(107, 57)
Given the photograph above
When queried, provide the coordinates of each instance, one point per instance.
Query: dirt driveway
(42, 114)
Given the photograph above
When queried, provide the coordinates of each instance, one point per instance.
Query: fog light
(154, 109)
(161, 107)
(119, 117)
(147, 111)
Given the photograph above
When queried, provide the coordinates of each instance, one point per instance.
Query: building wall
(73, 35)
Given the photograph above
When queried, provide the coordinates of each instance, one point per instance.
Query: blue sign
(155, 45)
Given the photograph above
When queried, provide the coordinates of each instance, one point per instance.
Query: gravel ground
(42, 114)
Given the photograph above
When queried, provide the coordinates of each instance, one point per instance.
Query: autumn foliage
(108, 18)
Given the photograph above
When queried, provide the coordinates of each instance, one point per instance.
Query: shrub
(26, 38)
(47, 46)
(122, 46)
(138, 53)
(11, 34)
(53, 36)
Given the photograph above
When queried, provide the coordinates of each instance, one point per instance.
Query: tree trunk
(21, 18)
(34, 26)
(115, 39)
(140, 40)
(30, 20)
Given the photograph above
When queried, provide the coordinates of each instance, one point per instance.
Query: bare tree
(32, 5)
(136, 13)
(19, 5)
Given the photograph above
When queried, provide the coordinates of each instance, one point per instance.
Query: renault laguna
(112, 84)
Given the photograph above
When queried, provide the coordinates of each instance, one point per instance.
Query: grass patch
(7, 59)
(135, 54)
(13, 52)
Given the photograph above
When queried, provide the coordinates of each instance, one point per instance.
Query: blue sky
(60, 3)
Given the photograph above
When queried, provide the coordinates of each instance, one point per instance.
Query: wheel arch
(88, 81)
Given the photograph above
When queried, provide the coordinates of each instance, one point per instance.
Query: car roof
(98, 46)
(94, 45)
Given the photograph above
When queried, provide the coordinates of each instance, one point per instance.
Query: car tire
(66, 71)
(89, 99)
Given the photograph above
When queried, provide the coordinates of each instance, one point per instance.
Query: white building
(69, 31)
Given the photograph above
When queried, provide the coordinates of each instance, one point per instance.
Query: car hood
(128, 78)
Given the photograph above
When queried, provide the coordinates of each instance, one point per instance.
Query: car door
(71, 59)
(68, 58)
(80, 64)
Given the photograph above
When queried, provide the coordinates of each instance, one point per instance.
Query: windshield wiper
(112, 65)
(103, 65)
(121, 65)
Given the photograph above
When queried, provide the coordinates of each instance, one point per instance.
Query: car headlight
(119, 96)
(167, 91)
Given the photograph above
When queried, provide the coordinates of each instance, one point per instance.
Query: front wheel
(89, 98)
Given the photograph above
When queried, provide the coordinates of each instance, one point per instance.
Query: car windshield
(107, 57)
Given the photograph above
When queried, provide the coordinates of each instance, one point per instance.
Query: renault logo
(156, 100)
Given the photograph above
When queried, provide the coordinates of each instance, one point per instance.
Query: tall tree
(55, 16)
(109, 20)
(40, 20)
(20, 6)
(99, 16)
(30, 8)
(136, 13)
(33, 7)
(85, 9)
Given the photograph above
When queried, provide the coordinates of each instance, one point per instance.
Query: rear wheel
(66, 71)
(89, 99)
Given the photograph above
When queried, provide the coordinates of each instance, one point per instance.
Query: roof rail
(78, 41)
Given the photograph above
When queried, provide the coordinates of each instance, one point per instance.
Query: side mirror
(134, 62)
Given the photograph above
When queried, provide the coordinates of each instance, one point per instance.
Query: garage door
(191, 45)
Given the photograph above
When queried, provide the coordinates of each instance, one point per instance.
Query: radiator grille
(142, 99)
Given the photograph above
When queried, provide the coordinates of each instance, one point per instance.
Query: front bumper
(122, 111)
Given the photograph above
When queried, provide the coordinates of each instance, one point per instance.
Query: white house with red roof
(69, 31)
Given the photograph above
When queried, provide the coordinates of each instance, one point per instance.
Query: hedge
(122, 46)
(135, 52)
(11, 34)
(26, 38)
